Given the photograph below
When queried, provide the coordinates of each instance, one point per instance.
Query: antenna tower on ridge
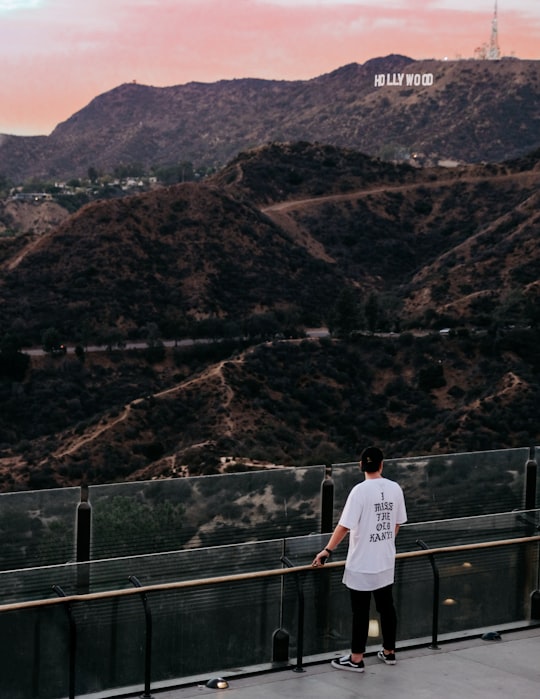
(494, 52)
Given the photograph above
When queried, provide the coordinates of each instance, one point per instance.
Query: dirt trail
(509, 384)
(280, 213)
(15, 262)
(301, 236)
(215, 371)
(285, 206)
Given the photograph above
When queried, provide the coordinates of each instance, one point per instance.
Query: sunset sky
(57, 55)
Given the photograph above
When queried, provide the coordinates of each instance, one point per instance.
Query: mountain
(393, 107)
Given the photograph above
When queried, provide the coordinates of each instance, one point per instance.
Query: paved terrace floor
(465, 669)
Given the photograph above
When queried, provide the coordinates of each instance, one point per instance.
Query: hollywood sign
(404, 79)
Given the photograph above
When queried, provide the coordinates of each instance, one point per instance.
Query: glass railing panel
(167, 515)
(326, 623)
(477, 588)
(28, 584)
(226, 628)
(114, 574)
(209, 629)
(468, 530)
(233, 623)
(199, 630)
(450, 485)
(37, 527)
(327, 615)
(34, 650)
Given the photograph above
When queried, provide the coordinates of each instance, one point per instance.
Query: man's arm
(339, 533)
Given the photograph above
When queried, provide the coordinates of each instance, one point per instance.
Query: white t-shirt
(371, 513)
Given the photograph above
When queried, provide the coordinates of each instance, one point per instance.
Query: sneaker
(389, 659)
(346, 663)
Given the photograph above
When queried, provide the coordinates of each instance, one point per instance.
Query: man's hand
(320, 559)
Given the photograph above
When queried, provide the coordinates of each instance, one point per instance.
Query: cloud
(486, 7)
(389, 4)
(10, 5)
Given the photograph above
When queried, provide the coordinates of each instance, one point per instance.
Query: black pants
(384, 602)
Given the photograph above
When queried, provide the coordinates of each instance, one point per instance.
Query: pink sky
(57, 55)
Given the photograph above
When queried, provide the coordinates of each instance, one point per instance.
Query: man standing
(372, 515)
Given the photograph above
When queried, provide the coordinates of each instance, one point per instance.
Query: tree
(50, 339)
(155, 352)
(79, 353)
(10, 343)
(532, 308)
(131, 170)
(372, 312)
(4, 186)
(13, 363)
(113, 336)
(430, 377)
(171, 174)
(127, 526)
(511, 309)
(151, 331)
(346, 315)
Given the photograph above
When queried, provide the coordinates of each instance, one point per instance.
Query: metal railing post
(72, 640)
(84, 533)
(148, 639)
(323, 582)
(531, 564)
(436, 585)
(300, 641)
(531, 470)
(280, 637)
(280, 646)
(327, 502)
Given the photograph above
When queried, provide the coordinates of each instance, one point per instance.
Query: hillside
(278, 236)
(452, 246)
(467, 110)
(168, 257)
(292, 402)
(286, 237)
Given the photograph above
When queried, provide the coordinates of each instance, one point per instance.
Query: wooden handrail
(200, 582)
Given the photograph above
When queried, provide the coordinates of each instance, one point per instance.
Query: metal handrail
(200, 582)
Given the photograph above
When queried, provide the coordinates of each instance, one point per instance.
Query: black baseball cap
(371, 459)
